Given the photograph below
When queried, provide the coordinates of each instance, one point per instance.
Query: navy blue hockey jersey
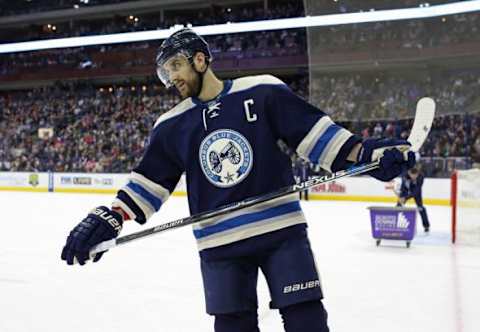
(228, 148)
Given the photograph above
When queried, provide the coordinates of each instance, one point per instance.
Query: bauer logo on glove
(105, 215)
(100, 225)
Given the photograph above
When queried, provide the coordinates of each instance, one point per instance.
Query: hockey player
(411, 187)
(224, 135)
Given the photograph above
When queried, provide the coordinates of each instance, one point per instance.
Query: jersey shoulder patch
(181, 108)
(248, 82)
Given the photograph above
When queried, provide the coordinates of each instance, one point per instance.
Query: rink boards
(365, 189)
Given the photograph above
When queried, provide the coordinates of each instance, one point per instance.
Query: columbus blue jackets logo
(226, 158)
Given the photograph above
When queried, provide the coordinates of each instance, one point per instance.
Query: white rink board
(353, 188)
(433, 189)
(27, 181)
(69, 182)
(87, 181)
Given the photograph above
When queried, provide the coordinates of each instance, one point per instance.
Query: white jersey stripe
(143, 204)
(308, 143)
(152, 187)
(248, 82)
(184, 106)
(331, 150)
(250, 230)
(255, 208)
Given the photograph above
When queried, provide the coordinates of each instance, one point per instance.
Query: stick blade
(423, 123)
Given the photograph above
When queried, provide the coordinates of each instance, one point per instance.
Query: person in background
(411, 187)
(301, 169)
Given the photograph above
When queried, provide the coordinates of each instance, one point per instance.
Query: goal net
(466, 207)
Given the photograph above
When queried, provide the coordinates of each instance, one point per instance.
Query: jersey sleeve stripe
(124, 198)
(140, 198)
(154, 188)
(322, 143)
(308, 143)
(147, 209)
(154, 201)
(332, 149)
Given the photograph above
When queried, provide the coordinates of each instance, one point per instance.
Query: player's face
(181, 74)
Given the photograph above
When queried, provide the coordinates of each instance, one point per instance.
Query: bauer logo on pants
(301, 286)
(226, 158)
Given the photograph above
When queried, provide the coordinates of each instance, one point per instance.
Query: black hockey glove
(391, 153)
(100, 225)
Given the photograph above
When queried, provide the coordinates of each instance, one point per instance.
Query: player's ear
(200, 62)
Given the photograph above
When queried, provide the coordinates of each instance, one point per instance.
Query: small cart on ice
(393, 223)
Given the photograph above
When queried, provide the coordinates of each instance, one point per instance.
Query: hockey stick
(424, 115)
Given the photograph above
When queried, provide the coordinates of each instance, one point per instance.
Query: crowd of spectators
(90, 129)
(259, 44)
(10, 8)
(418, 34)
(79, 127)
(316, 7)
(392, 95)
(453, 143)
(246, 45)
(389, 35)
(321, 7)
(214, 14)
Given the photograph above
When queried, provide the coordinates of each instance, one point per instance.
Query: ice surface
(154, 284)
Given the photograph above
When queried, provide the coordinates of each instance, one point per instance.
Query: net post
(453, 204)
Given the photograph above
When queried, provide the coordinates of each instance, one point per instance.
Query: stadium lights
(285, 23)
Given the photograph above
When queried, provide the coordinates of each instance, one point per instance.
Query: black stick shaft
(356, 170)
(424, 115)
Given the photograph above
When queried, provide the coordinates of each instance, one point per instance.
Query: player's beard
(189, 88)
